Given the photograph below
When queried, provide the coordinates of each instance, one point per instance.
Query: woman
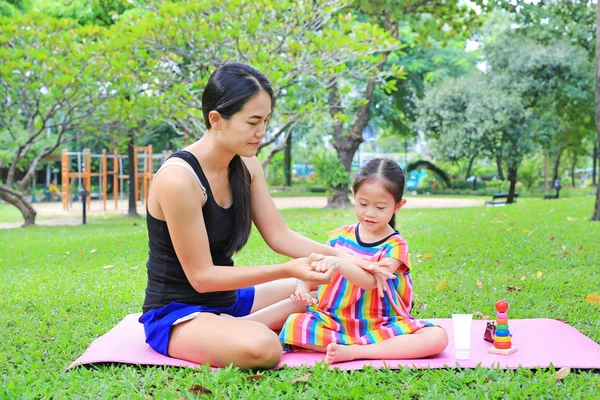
(200, 208)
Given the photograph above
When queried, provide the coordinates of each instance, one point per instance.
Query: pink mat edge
(316, 358)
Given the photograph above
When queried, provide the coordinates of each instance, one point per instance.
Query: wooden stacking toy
(502, 344)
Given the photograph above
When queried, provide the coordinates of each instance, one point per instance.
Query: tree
(471, 116)
(547, 22)
(86, 12)
(404, 20)
(52, 80)
(298, 44)
(547, 77)
(12, 8)
(133, 111)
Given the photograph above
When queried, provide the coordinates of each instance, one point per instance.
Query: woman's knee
(262, 350)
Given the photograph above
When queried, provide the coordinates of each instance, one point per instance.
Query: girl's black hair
(228, 89)
(384, 171)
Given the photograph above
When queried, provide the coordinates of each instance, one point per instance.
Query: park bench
(500, 196)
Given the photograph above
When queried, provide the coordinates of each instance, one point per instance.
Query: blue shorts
(158, 323)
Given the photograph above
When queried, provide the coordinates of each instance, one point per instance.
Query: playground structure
(143, 159)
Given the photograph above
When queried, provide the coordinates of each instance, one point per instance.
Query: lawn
(10, 213)
(64, 286)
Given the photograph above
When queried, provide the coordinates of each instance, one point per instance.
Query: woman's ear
(215, 119)
(400, 204)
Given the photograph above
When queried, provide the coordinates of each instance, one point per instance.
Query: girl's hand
(302, 297)
(325, 264)
(382, 286)
(381, 272)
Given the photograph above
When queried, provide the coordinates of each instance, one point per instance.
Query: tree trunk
(131, 171)
(339, 198)
(499, 165)
(287, 161)
(556, 165)
(596, 215)
(546, 186)
(343, 145)
(594, 164)
(18, 200)
(469, 168)
(512, 178)
(573, 164)
(347, 145)
(26, 181)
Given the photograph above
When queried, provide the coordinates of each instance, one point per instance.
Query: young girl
(351, 318)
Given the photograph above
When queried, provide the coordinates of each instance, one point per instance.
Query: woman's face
(243, 132)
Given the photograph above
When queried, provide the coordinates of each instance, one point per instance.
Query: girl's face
(374, 207)
(243, 132)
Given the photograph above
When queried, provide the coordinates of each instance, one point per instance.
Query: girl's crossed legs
(425, 342)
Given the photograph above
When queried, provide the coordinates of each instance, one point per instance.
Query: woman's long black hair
(228, 89)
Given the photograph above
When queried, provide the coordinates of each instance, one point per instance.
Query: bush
(468, 185)
(329, 171)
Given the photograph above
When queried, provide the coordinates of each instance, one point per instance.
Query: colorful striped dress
(347, 314)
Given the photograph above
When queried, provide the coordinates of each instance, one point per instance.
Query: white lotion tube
(462, 335)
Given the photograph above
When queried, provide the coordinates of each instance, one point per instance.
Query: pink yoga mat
(541, 342)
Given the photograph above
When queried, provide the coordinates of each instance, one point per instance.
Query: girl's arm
(357, 275)
(270, 223)
(178, 196)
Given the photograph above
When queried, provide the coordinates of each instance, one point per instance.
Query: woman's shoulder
(176, 180)
(253, 165)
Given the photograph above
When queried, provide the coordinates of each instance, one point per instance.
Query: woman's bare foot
(338, 353)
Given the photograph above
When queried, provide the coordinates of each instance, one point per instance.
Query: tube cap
(463, 354)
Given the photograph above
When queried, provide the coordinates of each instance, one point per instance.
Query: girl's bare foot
(338, 353)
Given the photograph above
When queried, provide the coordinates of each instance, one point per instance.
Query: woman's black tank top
(166, 280)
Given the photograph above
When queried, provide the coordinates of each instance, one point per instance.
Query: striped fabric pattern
(347, 314)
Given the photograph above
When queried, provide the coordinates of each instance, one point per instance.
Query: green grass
(298, 194)
(10, 213)
(57, 297)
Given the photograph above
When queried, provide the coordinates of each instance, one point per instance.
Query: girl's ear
(400, 204)
(215, 119)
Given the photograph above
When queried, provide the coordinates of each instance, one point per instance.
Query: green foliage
(274, 170)
(532, 94)
(298, 44)
(329, 170)
(433, 36)
(470, 117)
(530, 171)
(7, 9)
(53, 282)
(85, 12)
(548, 21)
(52, 79)
(554, 79)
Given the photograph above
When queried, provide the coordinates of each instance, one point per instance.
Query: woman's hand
(301, 269)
